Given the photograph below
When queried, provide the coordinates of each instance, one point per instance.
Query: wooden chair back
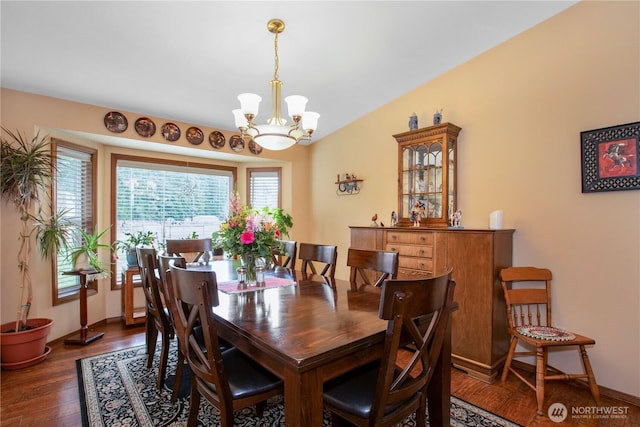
(285, 254)
(158, 319)
(530, 305)
(322, 254)
(370, 268)
(193, 250)
(227, 379)
(418, 313)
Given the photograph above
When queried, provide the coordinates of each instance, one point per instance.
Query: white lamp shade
(310, 120)
(249, 103)
(296, 104)
(273, 137)
(241, 120)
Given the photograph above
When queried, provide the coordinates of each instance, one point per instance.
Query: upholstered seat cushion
(353, 392)
(245, 377)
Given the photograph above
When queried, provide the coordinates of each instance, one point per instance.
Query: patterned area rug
(116, 389)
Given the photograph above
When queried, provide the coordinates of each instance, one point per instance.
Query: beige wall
(522, 107)
(83, 124)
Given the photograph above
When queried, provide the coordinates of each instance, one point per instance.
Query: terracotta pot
(24, 348)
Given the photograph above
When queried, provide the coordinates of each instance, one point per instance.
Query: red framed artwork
(610, 159)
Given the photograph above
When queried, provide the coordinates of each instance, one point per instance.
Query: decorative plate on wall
(216, 139)
(115, 122)
(236, 143)
(195, 136)
(170, 132)
(145, 127)
(254, 147)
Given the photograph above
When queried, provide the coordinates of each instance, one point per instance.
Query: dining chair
(285, 254)
(164, 264)
(323, 254)
(158, 318)
(228, 379)
(370, 268)
(193, 250)
(385, 392)
(529, 323)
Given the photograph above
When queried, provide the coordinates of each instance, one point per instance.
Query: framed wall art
(610, 158)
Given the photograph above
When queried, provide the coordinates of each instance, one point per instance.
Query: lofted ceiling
(188, 60)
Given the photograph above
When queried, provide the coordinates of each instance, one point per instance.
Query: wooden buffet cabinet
(479, 327)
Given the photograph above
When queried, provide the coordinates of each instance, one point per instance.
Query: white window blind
(74, 193)
(264, 188)
(171, 201)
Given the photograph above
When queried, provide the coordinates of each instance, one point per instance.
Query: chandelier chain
(277, 60)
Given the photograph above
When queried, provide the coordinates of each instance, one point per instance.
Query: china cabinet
(427, 175)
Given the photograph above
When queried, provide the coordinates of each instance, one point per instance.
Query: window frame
(115, 158)
(277, 170)
(73, 293)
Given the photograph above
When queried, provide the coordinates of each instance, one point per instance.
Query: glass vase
(249, 263)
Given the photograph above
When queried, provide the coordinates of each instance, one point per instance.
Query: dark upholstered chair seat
(354, 391)
(245, 377)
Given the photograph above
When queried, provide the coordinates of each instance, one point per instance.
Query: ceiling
(188, 61)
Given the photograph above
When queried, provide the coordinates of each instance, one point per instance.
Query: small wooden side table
(84, 336)
(131, 315)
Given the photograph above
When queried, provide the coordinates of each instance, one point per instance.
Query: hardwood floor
(47, 394)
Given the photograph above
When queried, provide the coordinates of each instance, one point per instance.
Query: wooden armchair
(529, 322)
(322, 254)
(385, 392)
(370, 268)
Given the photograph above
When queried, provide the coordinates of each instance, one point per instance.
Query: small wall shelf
(347, 186)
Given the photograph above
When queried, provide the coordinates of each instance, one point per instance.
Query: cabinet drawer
(411, 250)
(407, 273)
(424, 264)
(410, 238)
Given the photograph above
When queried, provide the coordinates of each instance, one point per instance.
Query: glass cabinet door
(427, 181)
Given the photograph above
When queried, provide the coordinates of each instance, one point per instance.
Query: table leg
(84, 336)
(302, 399)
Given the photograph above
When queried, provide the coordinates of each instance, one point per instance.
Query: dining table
(307, 329)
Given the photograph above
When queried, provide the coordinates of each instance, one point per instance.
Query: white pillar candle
(495, 220)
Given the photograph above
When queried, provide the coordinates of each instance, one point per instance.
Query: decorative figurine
(394, 218)
(374, 220)
(437, 117)
(413, 122)
(455, 219)
(417, 212)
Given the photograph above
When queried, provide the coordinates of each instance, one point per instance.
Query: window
(174, 200)
(264, 187)
(73, 190)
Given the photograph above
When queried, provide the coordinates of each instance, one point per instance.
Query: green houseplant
(135, 240)
(26, 168)
(85, 254)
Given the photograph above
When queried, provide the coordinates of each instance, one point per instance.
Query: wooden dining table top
(306, 333)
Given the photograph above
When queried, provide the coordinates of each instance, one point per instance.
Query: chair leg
(151, 345)
(507, 363)
(164, 357)
(178, 377)
(421, 415)
(541, 370)
(194, 405)
(595, 391)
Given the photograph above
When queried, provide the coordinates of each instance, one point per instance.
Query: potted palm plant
(26, 168)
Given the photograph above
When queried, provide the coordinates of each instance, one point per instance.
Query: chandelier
(276, 134)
